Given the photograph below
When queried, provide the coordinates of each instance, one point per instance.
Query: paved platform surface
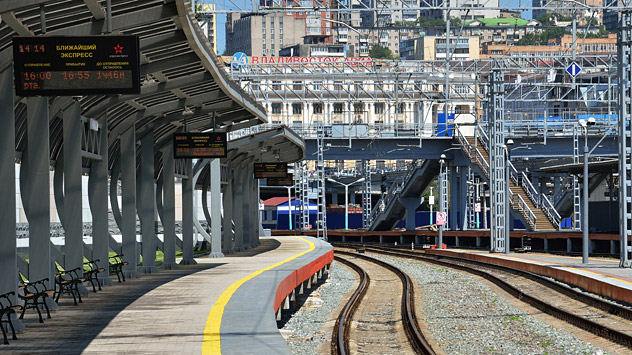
(163, 313)
(603, 275)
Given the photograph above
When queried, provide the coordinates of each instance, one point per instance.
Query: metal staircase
(536, 209)
(389, 210)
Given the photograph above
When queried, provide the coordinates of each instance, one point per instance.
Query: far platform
(601, 275)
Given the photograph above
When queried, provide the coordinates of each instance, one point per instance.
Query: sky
(245, 4)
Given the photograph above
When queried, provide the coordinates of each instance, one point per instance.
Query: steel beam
(146, 205)
(128, 210)
(168, 207)
(187, 216)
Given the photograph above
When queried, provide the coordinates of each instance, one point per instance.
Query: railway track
(597, 316)
(342, 328)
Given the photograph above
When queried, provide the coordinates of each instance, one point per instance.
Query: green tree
(455, 21)
(380, 52)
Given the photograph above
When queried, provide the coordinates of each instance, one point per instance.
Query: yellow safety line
(211, 343)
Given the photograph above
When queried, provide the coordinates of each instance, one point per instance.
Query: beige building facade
(262, 35)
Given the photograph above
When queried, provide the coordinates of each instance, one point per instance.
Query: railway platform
(218, 306)
(600, 276)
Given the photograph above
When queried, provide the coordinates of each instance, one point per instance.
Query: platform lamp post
(441, 197)
(508, 144)
(289, 206)
(346, 198)
(585, 241)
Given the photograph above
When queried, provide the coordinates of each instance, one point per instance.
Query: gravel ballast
(304, 329)
(465, 316)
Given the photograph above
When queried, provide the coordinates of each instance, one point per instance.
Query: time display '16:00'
(51, 80)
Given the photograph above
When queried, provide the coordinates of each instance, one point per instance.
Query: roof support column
(187, 216)
(97, 197)
(73, 225)
(35, 186)
(128, 213)
(8, 255)
(411, 204)
(168, 207)
(246, 199)
(215, 172)
(238, 212)
(254, 211)
(228, 214)
(147, 205)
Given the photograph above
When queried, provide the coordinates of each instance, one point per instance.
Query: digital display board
(76, 66)
(286, 181)
(199, 145)
(270, 170)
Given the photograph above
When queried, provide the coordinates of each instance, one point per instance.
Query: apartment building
(262, 35)
(435, 48)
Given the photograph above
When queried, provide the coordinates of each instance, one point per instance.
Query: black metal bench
(67, 281)
(116, 266)
(90, 273)
(34, 295)
(7, 308)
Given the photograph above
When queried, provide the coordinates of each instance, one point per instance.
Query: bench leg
(12, 327)
(24, 309)
(46, 306)
(4, 333)
(39, 313)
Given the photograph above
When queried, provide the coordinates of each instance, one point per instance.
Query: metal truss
(443, 194)
(321, 217)
(497, 179)
(625, 139)
(471, 198)
(366, 195)
(577, 213)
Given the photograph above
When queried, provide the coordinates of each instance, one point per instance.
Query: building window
(318, 108)
(399, 108)
(357, 108)
(276, 108)
(276, 84)
(297, 109)
(337, 107)
(297, 85)
(379, 108)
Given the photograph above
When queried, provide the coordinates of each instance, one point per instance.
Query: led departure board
(284, 181)
(76, 66)
(270, 170)
(199, 145)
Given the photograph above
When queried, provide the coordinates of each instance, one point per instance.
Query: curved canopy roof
(179, 71)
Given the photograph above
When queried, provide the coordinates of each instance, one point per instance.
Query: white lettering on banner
(309, 60)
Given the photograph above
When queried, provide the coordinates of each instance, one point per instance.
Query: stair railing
(393, 190)
(553, 216)
(532, 193)
(526, 212)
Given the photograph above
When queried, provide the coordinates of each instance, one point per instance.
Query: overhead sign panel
(573, 69)
(199, 145)
(270, 170)
(285, 181)
(76, 66)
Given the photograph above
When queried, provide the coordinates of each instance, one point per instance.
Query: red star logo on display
(118, 49)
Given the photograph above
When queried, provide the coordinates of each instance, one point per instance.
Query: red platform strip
(585, 282)
(298, 276)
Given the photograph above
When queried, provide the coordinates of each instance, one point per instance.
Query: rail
(340, 335)
(409, 318)
(474, 267)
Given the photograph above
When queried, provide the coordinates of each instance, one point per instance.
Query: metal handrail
(394, 189)
(547, 206)
(531, 218)
(532, 193)
(513, 173)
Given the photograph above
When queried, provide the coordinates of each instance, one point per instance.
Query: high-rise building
(262, 35)
(471, 9)
(580, 9)
(208, 23)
